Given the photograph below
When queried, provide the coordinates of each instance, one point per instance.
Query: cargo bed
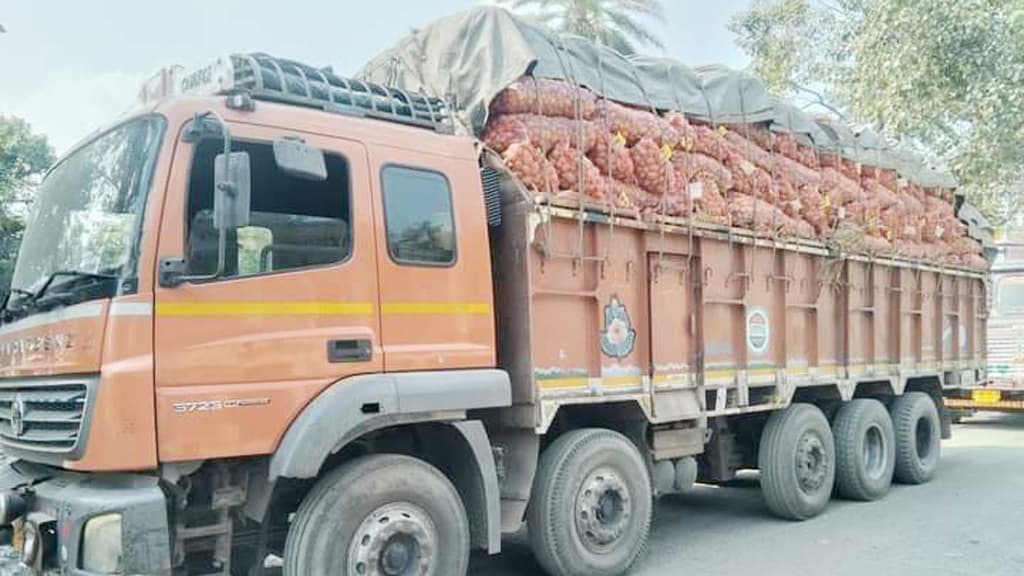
(690, 320)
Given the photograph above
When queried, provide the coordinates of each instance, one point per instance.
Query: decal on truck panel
(618, 336)
(758, 331)
(51, 346)
(217, 405)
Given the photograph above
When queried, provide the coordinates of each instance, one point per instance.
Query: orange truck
(276, 312)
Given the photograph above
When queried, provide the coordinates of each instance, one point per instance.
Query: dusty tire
(915, 419)
(865, 449)
(797, 462)
(591, 508)
(377, 510)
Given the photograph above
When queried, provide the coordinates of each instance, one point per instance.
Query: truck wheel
(382, 514)
(797, 461)
(865, 449)
(591, 508)
(918, 437)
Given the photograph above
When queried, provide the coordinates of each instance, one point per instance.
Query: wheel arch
(877, 389)
(626, 417)
(462, 452)
(430, 407)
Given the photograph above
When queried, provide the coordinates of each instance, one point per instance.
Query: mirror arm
(174, 276)
(177, 279)
(222, 236)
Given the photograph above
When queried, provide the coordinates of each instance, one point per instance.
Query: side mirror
(296, 158)
(232, 190)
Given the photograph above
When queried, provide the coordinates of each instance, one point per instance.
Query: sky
(68, 67)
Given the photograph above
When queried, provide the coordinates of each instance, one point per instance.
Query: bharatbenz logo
(17, 351)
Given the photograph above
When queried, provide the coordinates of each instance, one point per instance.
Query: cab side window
(293, 223)
(418, 216)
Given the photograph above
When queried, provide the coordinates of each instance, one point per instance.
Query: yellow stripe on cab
(440, 308)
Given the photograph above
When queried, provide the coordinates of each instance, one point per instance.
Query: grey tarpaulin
(736, 97)
(671, 85)
(790, 119)
(908, 164)
(470, 57)
(873, 150)
(931, 178)
(839, 138)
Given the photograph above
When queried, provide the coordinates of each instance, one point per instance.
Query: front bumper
(66, 500)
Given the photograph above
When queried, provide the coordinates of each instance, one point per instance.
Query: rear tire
(865, 450)
(591, 508)
(376, 511)
(915, 419)
(797, 461)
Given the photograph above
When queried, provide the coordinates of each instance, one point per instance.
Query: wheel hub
(923, 439)
(874, 452)
(811, 466)
(397, 539)
(603, 509)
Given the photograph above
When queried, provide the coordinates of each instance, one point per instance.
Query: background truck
(299, 315)
(1002, 387)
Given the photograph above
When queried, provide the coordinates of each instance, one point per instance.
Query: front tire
(918, 437)
(591, 508)
(380, 514)
(797, 462)
(865, 450)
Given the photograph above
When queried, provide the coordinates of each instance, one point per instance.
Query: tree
(943, 75)
(24, 157)
(614, 23)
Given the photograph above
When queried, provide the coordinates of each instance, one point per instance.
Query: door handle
(351, 350)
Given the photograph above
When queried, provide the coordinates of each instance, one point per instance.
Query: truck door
(434, 262)
(295, 310)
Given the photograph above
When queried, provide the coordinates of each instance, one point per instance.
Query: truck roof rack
(265, 77)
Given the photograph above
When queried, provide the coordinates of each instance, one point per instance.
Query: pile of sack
(570, 145)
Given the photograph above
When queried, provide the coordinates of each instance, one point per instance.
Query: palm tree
(614, 23)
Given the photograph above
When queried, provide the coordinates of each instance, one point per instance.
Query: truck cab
(195, 282)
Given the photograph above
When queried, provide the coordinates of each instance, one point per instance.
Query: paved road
(968, 521)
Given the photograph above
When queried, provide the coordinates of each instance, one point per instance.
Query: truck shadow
(994, 420)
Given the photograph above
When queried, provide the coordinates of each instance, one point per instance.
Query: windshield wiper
(7, 315)
(44, 299)
(74, 275)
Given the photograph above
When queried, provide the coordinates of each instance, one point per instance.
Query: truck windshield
(87, 216)
(1010, 297)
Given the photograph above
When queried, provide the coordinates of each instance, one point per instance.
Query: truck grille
(1005, 353)
(43, 415)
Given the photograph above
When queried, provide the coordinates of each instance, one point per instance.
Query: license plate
(986, 396)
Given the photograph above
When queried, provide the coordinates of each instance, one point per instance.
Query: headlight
(101, 544)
